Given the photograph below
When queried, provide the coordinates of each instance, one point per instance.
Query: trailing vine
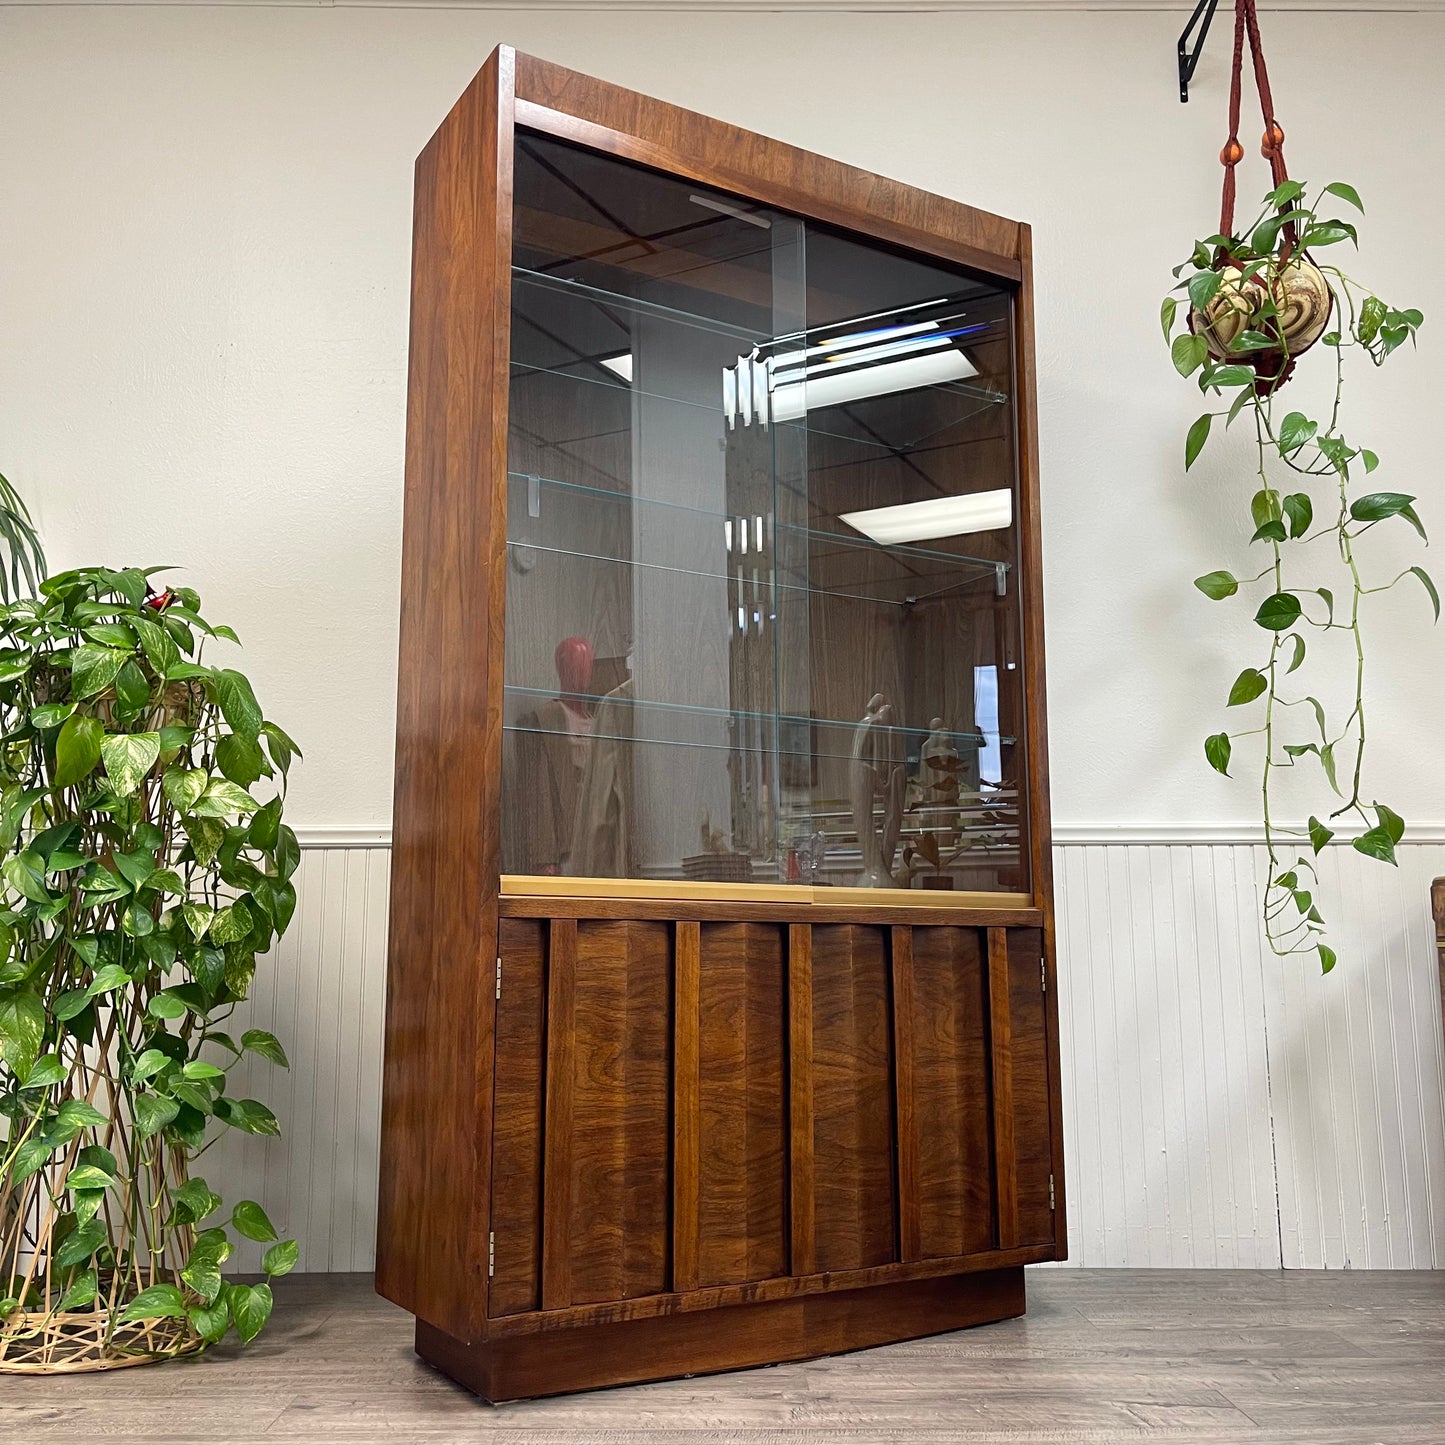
(1309, 511)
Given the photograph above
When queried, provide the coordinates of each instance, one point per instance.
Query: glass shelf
(982, 566)
(681, 714)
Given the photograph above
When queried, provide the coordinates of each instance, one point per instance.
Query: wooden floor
(1208, 1356)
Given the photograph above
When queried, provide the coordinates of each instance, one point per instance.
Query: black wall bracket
(1191, 44)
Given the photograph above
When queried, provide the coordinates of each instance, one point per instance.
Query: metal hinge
(1044, 974)
(1051, 1191)
(499, 975)
(492, 1243)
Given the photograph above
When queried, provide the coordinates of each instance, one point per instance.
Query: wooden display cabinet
(721, 1022)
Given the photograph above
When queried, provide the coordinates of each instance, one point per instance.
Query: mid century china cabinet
(721, 1024)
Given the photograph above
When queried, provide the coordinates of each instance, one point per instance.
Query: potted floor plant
(144, 867)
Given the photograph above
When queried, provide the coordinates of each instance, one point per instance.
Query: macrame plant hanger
(1274, 366)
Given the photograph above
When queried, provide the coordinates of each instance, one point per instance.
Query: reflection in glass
(761, 598)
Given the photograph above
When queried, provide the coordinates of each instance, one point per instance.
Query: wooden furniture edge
(610, 118)
(748, 1333)
(726, 911)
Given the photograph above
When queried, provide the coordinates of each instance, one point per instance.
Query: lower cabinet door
(683, 1105)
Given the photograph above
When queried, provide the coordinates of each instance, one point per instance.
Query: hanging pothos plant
(1255, 300)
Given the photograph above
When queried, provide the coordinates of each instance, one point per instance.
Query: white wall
(204, 254)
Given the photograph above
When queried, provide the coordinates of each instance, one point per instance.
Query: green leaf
(82, 1292)
(1390, 821)
(152, 1113)
(1238, 404)
(77, 749)
(1167, 312)
(288, 852)
(87, 1176)
(1412, 517)
(264, 828)
(1327, 958)
(197, 1200)
(1327, 757)
(31, 1156)
(166, 1005)
(1370, 460)
(1222, 376)
(1194, 442)
(93, 669)
(250, 1219)
(1247, 686)
(206, 836)
(1278, 612)
(128, 757)
(80, 1245)
(238, 703)
(132, 691)
(1345, 193)
(1270, 531)
(51, 715)
(267, 1046)
(73, 1116)
(1299, 652)
(1379, 505)
(1189, 353)
(250, 1307)
(280, 1258)
(22, 1027)
(1252, 341)
(1294, 431)
(157, 644)
(1328, 233)
(1300, 511)
(222, 799)
(231, 923)
(1217, 750)
(1377, 843)
(25, 873)
(109, 977)
(240, 759)
(1429, 587)
(212, 1322)
(44, 1073)
(1264, 506)
(282, 748)
(1217, 585)
(159, 1302)
(183, 787)
(1203, 287)
(249, 1116)
(198, 917)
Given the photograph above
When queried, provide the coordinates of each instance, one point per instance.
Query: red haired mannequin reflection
(556, 741)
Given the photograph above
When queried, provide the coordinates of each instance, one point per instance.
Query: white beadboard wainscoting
(1223, 1108)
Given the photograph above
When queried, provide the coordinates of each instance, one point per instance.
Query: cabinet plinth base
(588, 1357)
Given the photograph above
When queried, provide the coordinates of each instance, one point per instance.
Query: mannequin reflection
(557, 740)
(877, 770)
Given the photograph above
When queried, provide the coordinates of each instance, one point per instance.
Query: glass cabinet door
(761, 604)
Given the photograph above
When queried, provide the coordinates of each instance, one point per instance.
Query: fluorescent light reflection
(620, 365)
(937, 517)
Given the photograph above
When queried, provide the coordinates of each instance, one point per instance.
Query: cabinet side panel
(951, 1092)
(621, 1111)
(1033, 1115)
(520, 1094)
(436, 1112)
(853, 1137)
(743, 1101)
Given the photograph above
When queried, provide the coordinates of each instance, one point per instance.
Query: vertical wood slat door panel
(621, 1146)
(1033, 1139)
(853, 1132)
(742, 1112)
(951, 1091)
(517, 1133)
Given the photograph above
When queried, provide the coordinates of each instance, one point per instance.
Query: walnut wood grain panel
(853, 1136)
(520, 1100)
(622, 122)
(905, 1092)
(951, 1086)
(621, 1143)
(559, 1130)
(1000, 1048)
(437, 1107)
(742, 1173)
(1033, 1114)
(801, 1175)
(686, 1105)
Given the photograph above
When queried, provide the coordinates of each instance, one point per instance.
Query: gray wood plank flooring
(1207, 1357)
